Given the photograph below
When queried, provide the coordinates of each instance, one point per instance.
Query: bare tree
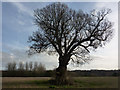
(41, 68)
(8, 66)
(35, 66)
(21, 66)
(69, 33)
(30, 66)
(11, 66)
(26, 66)
(14, 66)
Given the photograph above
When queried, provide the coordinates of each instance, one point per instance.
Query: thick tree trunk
(61, 75)
(61, 71)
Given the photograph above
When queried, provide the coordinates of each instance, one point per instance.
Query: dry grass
(22, 79)
(21, 82)
(42, 82)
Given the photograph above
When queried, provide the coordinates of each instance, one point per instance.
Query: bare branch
(66, 31)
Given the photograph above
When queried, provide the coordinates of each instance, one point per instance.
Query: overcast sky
(17, 25)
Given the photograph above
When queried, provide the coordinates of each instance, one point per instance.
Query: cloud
(21, 22)
(6, 57)
(22, 8)
(17, 52)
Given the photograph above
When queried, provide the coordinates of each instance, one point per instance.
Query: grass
(42, 82)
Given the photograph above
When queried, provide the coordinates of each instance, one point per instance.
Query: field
(42, 82)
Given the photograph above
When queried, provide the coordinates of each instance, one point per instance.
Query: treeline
(95, 73)
(50, 73)
(31, 66)
(27, 74)
(29, 69)
(35, 69)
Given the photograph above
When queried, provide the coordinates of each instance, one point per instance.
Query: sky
(18, 25)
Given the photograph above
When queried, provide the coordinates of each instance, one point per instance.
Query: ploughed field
(43, 82)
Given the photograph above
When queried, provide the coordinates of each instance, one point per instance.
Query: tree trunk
(61, 75)
(61, 72)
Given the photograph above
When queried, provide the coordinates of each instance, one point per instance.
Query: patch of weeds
(62, 86)
(68, 86)
(52, 86)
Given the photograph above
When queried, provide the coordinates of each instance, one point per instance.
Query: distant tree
(8, 66)
(41, 68)
(26, 66)
(30, 66)
(11, 66)
(21, 66)
(70, 34)
(35, 66)
(14, 66)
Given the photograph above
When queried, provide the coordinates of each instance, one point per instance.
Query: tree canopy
(68, 32)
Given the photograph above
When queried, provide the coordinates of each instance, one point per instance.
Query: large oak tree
(69, 33)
